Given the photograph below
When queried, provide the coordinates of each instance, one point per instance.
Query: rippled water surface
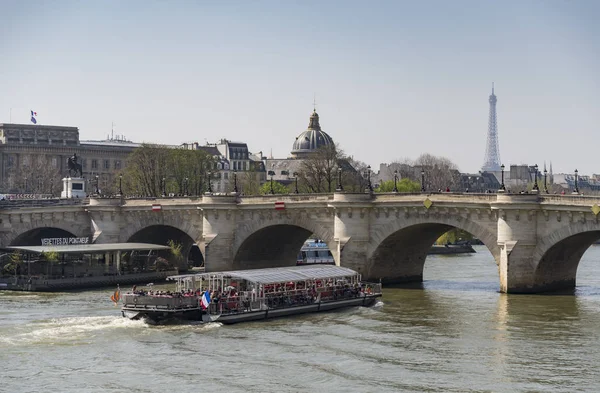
(455, 333)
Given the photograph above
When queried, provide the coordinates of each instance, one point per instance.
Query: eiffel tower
(491, 161)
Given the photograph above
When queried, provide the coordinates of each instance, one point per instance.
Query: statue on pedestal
(74, 166)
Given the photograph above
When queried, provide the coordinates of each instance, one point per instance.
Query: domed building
(312, 139)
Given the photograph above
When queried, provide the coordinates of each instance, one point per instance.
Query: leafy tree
(278, 188)
(454, 235)
(403, 185)
(15, 261)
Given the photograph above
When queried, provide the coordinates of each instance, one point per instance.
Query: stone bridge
(536, 240)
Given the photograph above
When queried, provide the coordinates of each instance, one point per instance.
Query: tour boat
(315, 252)
(250, 295)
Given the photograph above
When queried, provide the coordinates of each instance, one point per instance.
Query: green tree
(278, 188)
(454, 235)
(403, 185)
(15, 260)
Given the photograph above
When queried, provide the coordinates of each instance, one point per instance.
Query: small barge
(250, 295)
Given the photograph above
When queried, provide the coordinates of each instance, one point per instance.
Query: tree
(182, 170)
(403, 185)
(14, 264)
(278, 188)
(439, 172)
(37, 174)
(318, 172)
(175, 250)
(353, 179)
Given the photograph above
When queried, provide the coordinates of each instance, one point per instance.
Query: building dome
(311, 139)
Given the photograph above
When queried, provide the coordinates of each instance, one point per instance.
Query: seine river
(454, 334)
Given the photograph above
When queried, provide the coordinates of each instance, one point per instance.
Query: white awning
(91, 248)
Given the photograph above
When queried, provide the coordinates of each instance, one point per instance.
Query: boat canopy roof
(277, 274)
(90, 248)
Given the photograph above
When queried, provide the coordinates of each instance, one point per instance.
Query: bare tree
(439, 172)
(37, 174)
(318, 173)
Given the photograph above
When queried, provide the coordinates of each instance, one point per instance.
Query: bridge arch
(275, 242)
(557, 255)
(162, 234)
(32, 235)
(398, 249)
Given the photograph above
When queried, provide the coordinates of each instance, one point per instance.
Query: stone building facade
(33, 158)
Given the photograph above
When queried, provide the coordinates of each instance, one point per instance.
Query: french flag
(33, 115)
(205, 302)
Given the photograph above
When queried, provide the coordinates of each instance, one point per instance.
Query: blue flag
(33, 120)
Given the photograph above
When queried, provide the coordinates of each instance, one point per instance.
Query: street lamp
(576, 191)
(395, 181)
(368, 176)
(120, 184)
(296, 182)
(97, 185)
(51, 187)
(185, 186)
(25, 184)
(208, 178)
(164, 187)
(272, 173)
(422, 180)
(545, 183)
(535, 185)
(502, 186)
(235, 189)
(339, 186)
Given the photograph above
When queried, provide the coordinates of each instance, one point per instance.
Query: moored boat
(249, 295)
(315, 251)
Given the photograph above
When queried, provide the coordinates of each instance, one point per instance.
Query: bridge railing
(50, 202)
(572, 200)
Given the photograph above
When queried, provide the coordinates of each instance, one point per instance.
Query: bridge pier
(218, 229)
(518, 220)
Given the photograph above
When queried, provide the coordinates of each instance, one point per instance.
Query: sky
(392, 79)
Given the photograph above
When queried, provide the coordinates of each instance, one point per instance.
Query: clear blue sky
(392, 79)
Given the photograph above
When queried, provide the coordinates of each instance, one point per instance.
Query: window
(10, 162)
(94, 164)
(117, 164)
(226, 175)
(84, 163)
(54, 162)
(106, 164)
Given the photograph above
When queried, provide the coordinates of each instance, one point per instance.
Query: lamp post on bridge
(502, 186)
(97, 191)
(120, 184)
(545, 183)
(339, 186)
(25, 184)
(422, 180)
(164, 187)
(576, 190)
(296, 182)
(235, 188)
(369, 187)
(272, 173)
(395, 181)
(535, 184)
(51, 187)
(208, 180)
(185, 186)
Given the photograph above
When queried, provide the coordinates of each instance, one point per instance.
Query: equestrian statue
(74, 166)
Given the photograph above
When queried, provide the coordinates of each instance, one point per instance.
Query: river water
(456, 333)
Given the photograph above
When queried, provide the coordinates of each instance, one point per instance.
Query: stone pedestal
(73, 187)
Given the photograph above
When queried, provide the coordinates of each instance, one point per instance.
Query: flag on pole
(115, 297)
(33, 115)
(205, 302)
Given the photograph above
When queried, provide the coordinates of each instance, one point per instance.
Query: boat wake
(64, 331)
